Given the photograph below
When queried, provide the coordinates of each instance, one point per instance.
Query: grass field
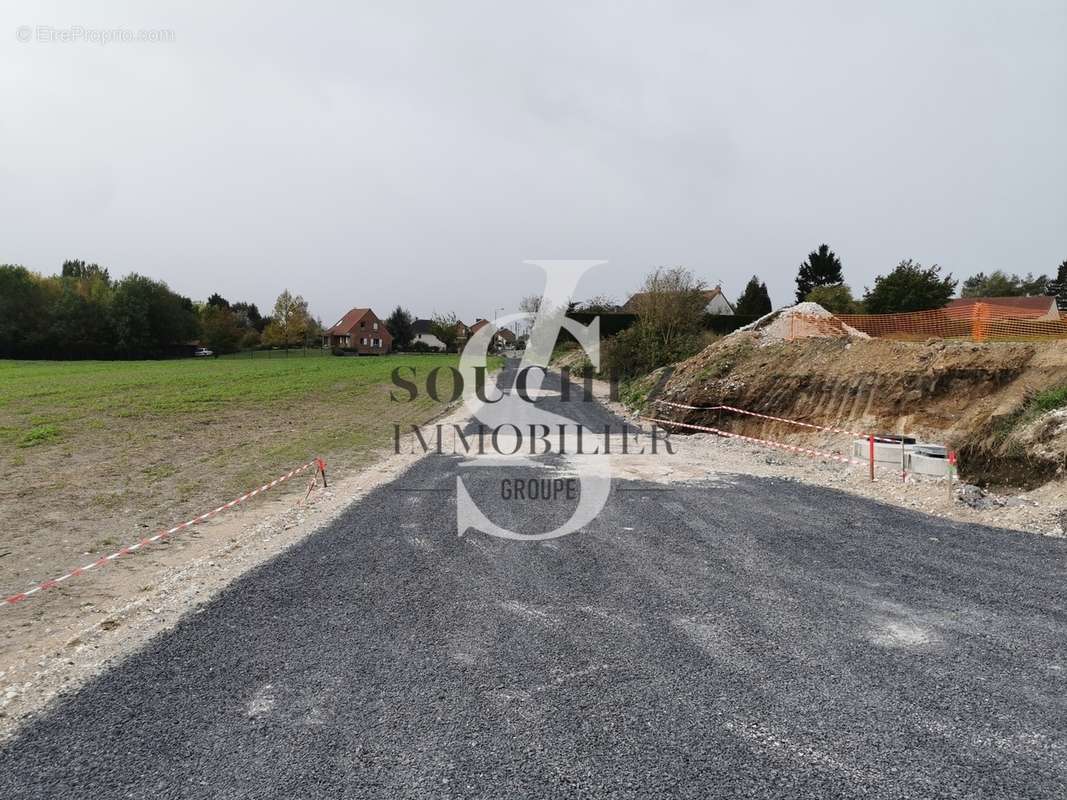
(93, 452)
(74, 405)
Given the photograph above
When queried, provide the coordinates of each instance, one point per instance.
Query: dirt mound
(977, 398)
(802, 321)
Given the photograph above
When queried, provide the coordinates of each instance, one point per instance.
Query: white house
(422, 330)
(715, 302)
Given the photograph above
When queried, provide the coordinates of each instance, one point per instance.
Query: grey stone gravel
(977, 497)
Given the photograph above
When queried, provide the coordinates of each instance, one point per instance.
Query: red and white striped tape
(769, 443)
(318, 463)
(686, 406)
(777, 419)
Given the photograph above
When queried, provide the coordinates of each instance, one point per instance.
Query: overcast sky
(392, 153)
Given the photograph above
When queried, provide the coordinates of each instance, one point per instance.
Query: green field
(116, 447)
(58, 403)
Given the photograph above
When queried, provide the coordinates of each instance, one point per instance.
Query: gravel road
(736, 637)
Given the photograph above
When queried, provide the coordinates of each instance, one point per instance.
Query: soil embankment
(988, 401)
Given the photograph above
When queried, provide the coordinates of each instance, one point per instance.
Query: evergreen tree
(823, 268)
(399, 325)
(755, 301)
(249, 317)
(1057, 287)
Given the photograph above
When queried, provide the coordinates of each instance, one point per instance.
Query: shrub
(582, 365)
(639, 351)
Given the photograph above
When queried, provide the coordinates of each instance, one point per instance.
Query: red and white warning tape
(780, 445)
(777, 419)
(318, 463)
(686, 406)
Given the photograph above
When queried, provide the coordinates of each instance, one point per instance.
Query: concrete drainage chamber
(906, 453)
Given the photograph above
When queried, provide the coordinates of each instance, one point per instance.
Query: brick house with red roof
(360, 330)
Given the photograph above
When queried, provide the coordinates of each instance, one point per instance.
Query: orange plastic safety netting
(977, 321)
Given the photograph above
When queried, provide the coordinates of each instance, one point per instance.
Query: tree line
(669, 307)
(909, 286)
(85, 313)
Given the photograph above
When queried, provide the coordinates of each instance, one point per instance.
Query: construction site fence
(979, 322)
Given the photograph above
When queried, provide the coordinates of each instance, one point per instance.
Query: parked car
(203, 351)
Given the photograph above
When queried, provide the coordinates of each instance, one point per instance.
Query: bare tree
(670, 317)
(600, 302)
(531, 304)
(671, 305)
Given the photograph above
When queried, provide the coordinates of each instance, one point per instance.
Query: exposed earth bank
(995, 403)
